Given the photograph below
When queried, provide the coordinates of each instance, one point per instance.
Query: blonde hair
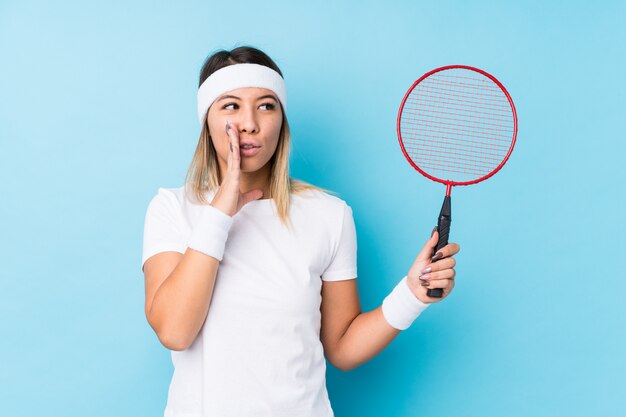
(204, 175)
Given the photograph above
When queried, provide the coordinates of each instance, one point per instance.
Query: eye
(270, 106)
(227, 105)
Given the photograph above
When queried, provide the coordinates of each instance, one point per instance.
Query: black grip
(443, 227)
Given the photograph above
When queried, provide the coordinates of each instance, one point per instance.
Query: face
(256, 116)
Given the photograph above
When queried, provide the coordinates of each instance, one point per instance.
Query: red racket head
(457, 125)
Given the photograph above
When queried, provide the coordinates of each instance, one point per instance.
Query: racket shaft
(443, 227)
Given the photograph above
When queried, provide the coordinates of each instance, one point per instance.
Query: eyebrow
(235, 97)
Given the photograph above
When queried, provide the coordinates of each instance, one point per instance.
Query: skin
(244, 178)
(247, 178)
(350, 337)
(179, 287)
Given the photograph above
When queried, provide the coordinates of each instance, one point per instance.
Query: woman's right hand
(229, 198)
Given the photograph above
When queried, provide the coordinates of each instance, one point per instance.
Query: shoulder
(326, 211)
(183, 196)
(169, 195)
(167, 200)
(320, 200)
(181, 203)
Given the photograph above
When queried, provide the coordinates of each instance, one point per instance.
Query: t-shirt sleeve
(343, 263)
(162, 230)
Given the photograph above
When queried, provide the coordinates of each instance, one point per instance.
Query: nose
(248, 122)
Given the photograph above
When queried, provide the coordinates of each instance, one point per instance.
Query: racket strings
(457, 125)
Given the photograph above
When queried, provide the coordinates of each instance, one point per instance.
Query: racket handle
(443, 227)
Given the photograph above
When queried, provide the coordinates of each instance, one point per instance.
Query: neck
(255, 180)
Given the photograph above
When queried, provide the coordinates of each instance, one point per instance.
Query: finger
(439, 283)
(434, 276)
(446, 291)
(229, 160)
(440, 265)
(430, 244)
(448, 250)
(233, 137)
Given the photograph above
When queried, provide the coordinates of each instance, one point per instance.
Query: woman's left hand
(435, 272)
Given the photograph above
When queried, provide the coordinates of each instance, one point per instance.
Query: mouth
(249, 150)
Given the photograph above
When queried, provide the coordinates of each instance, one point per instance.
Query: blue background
(98, 111)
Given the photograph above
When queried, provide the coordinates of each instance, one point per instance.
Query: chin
(251, 166)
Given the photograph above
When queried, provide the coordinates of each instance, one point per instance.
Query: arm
(179, 289)
(350, 337)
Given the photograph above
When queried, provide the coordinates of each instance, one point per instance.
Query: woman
(250, 274)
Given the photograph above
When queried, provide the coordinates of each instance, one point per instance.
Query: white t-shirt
(259, 351)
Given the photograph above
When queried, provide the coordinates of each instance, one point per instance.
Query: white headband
(239, 76)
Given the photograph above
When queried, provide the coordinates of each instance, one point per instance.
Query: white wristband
(210, 232)
(401, 306)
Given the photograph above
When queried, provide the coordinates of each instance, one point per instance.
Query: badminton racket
(456, 125)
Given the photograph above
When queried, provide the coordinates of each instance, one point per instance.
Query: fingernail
(227, 126)
(437, 256)
(435, 229)
(231, 146)
(426, 270)
(424, 277)
(425, 284)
